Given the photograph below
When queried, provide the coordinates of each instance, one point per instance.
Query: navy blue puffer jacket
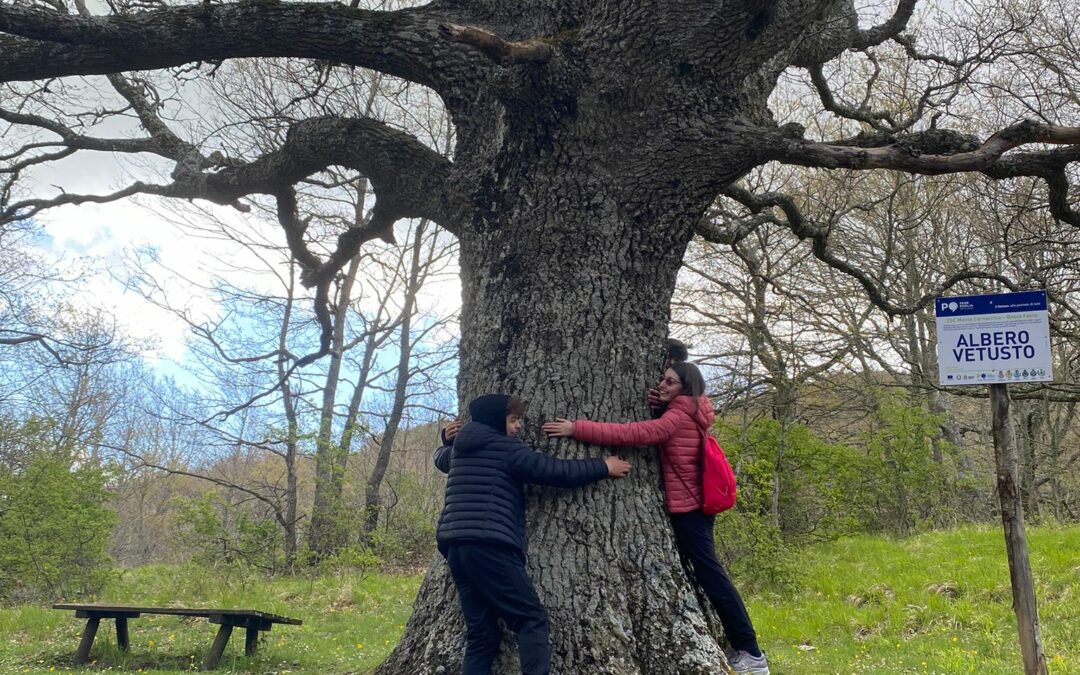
(485, 495)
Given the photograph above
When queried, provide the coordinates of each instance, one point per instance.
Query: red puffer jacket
(678, 432)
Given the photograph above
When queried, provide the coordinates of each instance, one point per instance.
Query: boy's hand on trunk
(617, 467)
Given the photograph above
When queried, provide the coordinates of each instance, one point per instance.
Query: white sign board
(993, 339)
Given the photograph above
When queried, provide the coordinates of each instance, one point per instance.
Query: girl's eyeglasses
(669, 381)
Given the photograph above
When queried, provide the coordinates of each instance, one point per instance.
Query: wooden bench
(254, 621)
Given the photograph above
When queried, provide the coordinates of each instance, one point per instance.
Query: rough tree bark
(592, 135)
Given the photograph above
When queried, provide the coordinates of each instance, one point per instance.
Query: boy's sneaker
(744, 662)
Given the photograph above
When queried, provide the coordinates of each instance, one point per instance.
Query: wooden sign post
(994, 340)
(1012, 518)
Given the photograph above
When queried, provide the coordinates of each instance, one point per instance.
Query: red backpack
(717, 478)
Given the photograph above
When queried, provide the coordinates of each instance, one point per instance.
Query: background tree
(260, 419)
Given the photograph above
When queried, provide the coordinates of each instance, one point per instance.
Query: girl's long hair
(693, 384)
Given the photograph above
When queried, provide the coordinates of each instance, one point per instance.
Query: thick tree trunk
(566, 303)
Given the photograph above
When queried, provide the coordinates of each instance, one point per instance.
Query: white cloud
(189, 253)
(106, 236)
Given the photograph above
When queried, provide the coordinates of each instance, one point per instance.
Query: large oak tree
(592, 138)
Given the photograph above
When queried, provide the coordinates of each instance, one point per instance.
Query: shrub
(54, 525)
(218, 532)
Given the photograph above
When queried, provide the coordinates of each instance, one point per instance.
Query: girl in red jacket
(679, 432)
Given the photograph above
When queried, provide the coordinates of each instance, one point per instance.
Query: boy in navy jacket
(481, 530)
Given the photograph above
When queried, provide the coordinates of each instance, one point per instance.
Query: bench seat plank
(179, 611)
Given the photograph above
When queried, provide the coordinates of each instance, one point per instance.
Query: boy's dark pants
(694, 536)
(492, 584)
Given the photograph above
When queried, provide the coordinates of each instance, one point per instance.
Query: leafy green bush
(219, 533)
(405, 538)
(815, 479)
(54, 525)
(748, 540)
(754, 553)
(907, 488)
(796, 488)
(359, 561)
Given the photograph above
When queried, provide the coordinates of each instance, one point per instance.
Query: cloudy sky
(109, 237)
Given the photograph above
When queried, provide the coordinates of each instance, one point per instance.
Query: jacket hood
(490, 410)
(474, 436)
(699, 409)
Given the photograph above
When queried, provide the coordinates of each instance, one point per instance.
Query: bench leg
(218, 649)
(251, 641)
(83, 655)
(122, 633)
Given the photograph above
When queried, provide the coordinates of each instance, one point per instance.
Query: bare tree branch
(273, 503)
(860, 114)
(909, 152)
(72, 141)
(409, 179)
(1048, 165)
(819, 239)
(888, 30)
(732, 230)
(22, 338)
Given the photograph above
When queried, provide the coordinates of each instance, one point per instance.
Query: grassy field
(936, 603)
(350, 624)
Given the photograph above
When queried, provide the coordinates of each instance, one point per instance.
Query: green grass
(935, 603)
(350, 624)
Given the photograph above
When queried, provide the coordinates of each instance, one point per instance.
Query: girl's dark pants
(694, 536)
(492, 584)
